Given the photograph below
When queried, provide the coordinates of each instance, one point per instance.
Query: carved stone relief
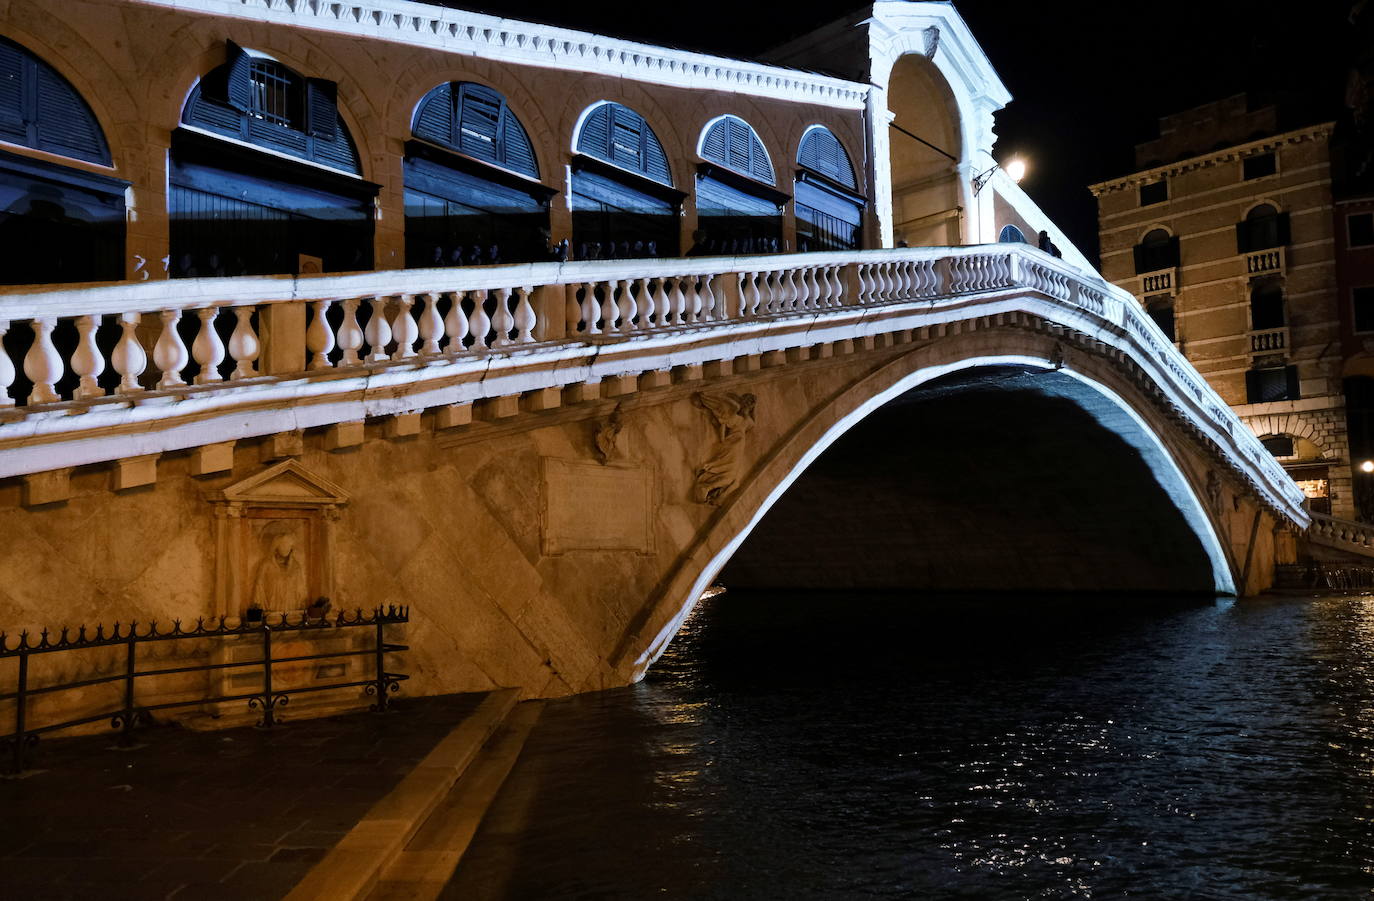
(608, 434)
(733, 415)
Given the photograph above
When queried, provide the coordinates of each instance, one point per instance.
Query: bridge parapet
(122, 370)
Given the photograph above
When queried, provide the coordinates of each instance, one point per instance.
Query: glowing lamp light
(1015, 169)
(1367, 466)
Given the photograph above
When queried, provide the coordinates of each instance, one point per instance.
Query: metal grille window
(274, 93)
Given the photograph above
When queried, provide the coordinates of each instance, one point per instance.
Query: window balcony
(1271, 261)
(1269, 340)
(1159, 281)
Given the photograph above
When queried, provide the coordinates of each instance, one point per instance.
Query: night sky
(1089, 79)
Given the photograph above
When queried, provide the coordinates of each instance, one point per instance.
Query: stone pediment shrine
(274, 540)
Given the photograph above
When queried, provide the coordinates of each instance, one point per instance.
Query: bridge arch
(1193, 490)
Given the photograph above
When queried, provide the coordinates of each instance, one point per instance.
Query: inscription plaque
(597, 507)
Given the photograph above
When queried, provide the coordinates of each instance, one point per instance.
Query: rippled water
(828, 746)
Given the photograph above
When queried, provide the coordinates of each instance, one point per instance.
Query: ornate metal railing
(130, 714)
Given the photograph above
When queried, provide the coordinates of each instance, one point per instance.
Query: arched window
(1160, 308)
(472, 193)
(734, 144)
(1157, 250)
(238, 211)
(1010, 234)
(623, 202)
(828, 207)
(737, 209)
(57, 223)
(1264, 227)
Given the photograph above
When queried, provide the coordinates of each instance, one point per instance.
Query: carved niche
(274, 540)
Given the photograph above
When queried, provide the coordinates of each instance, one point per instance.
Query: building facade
(1226, 236)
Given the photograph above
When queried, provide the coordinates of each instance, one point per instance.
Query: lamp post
(1015, 169)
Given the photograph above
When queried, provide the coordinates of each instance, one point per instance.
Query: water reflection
(839, 747)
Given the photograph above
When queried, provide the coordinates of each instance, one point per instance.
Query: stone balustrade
(1269, 340)
(87, 361)
(1342, 533)
(1260, 262)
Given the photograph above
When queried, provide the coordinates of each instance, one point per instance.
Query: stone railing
(1342, 534)
(1158, 281)
(1261, 262)
(1269, 340)
(89, 372)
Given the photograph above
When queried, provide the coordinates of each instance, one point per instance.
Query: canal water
(827, 746)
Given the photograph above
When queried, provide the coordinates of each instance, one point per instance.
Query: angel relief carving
(733, 415)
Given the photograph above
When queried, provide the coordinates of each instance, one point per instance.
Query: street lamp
(1015, 169)
(1367, 466)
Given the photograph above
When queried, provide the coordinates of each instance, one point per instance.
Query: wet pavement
(198, 816)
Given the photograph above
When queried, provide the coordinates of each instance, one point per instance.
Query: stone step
(353, 867)
(422, 870)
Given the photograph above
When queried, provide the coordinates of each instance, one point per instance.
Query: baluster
(42, 364)
(403, 328)
(811, 292)
(572, 309)
(87, 361)
(208, 349)
(169, 353)
(646, 305)
(677, 303)
(6, 367)
(609, 310)
(710, 304)
(901, 271)
(889, 281)
(504, 321)
(431, 325)
(456, 325)
(626, 306)
(691, 303)
(524, 316)
(350, 333)
(836, 286)
(129, 358)
(590, 311)
(319, 338)
(663, 303)
(479, 323)
(757, 282)
(786, 294)
(378, 330)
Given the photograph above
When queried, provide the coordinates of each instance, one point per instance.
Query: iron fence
(130, 714)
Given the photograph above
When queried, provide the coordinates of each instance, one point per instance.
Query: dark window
(620, 136)
(1010, 234)
(732, 143)
(40, 109)
(1265, 385)
(1264, 227)
(1160, 308)
(1363, 299)
(737, 216)
(1361, 227)
(1266, 304)
(58, 224)
(1278, 445)
(1155, 192)
(1258, 166)
(1157, 250)
(474, 120)
(829, 211)
(262, 102)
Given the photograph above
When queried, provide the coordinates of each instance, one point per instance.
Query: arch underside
(993, 479)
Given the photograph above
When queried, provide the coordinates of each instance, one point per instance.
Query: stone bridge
(550, 462)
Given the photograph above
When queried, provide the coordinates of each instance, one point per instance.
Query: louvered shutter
(13, 93)
(479, 118)
(627, 139)
(517, 154)
(65, 124)
(595, 138)
(435, 119)
(822, 152)
(238, 85)
(737, 145)
(655, 160)
(713, 147)
(759, 166)
(321, 109)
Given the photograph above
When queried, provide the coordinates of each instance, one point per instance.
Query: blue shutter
(238, 87)
(13, 112)
(713, 146)
(595, 137)
(822, 153)
(40, 109)
(627, 138)
(733, 143)
(321, 109)
(517, 154)
(434, 121)
(479, 118)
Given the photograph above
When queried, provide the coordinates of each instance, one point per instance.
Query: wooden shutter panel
(737, 145)
(516, 152)
(435, 120)
(13, 93)
(627, 138)
(238, 87)
(321, 109)
(1294, 388)
(65, 125)
(713, 147)
(595, 139)
(479, 118)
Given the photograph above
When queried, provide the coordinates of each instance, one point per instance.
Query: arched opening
(1010, 234)
(57, 223)
(1157, 250)
(738, 208)
(926, 148)
(246, 207)
(472, 190)
(829, 207)
(1264, 227)
(1305, 461)
(623, 201)
(941, 490)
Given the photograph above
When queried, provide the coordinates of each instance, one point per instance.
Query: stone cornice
(1229, 154)
(529, 43)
